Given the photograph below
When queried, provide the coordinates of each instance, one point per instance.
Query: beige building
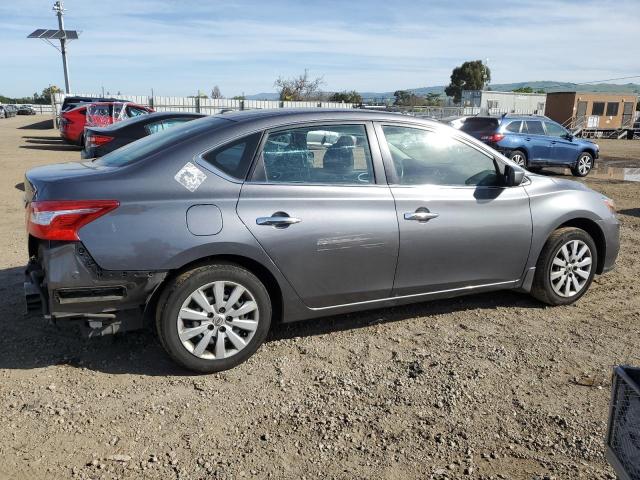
(592, 111)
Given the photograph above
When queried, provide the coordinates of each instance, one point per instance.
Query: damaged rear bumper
(67, 286)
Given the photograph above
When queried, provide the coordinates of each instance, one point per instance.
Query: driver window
(329, 154)
(422, 157)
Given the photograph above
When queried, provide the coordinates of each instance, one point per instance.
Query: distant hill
(547, 86)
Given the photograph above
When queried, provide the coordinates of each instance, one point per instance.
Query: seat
(338, 159)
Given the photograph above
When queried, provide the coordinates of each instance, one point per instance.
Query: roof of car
(311, 114)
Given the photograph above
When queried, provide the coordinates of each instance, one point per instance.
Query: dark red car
(72, 122)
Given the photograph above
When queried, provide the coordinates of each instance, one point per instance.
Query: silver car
(217, 229)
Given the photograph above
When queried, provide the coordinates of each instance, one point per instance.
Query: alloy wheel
(571, 268)
(584, 164)
(218, 320)
(518, 158)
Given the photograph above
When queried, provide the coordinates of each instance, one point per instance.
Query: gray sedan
(218, 228)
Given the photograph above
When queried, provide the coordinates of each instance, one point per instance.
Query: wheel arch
(263, 273)
(594, 231)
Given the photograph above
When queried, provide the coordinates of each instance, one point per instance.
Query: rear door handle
(420, 216)
(278, 219)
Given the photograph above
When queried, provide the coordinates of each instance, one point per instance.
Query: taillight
(61, 220)
(98, 140)
(495, 138)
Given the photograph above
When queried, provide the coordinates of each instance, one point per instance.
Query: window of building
(612, 109)
(597, 108)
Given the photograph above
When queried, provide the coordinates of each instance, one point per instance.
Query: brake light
(495, 138)
(98, 140)
(61, 220)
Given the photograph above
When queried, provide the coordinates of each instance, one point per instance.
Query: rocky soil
(492, 386)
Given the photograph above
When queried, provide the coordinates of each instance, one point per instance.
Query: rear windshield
(154, 143)
(475, 124)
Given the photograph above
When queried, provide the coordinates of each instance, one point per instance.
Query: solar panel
(37, 33)
(54, 34)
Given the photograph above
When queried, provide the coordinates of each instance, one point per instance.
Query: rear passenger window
(329, 154)
(533, 127)
(234, 159)
(514, 127)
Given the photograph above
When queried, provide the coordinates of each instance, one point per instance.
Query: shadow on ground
(41, 125)
(61, 147)
(632, 212)
(28, 342)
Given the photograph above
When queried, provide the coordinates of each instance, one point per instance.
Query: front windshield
(158, 141)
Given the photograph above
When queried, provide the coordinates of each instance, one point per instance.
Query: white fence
(207, 106)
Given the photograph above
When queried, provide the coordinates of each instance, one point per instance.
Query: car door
(318, 203)
(458, 227)
(563, 150)
(537, 143)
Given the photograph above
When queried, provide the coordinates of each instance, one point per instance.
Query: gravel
(491, 386)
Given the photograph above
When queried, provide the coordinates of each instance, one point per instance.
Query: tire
(200, 349)
(583, 165)
(518, 157)
(548, 285)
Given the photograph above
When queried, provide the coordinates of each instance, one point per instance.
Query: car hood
(556, 183)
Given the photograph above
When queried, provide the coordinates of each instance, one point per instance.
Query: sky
(180, 47)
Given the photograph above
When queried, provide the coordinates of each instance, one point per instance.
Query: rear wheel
(566, 267)
(518, 157)
(583, 166)
(214, 317)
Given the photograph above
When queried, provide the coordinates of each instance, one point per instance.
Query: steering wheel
(363, 177)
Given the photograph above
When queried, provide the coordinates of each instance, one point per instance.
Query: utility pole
(61, 34)
(57, 7)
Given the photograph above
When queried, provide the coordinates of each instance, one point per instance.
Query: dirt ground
(487, 386)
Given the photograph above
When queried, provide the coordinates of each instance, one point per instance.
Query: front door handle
(278, 219)
(420, 216)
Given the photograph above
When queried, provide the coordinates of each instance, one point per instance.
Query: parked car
(218, 228)
(70, 102)
(26, 110)
(534, 142)
(73, 122)
(99, 141)
(9, 111)
(3, 113)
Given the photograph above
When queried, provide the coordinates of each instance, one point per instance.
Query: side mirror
(569, 137)
(513, 176)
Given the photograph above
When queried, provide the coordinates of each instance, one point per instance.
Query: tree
(472, 75)
(346, 97)
(433, 99)
(299, 88)
(47, 93)
(215, 93)
(406, 98)
(523, 90)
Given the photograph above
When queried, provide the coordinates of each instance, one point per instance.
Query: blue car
(534, 142)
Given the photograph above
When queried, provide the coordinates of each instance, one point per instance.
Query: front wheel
(583, 166)
(566, 267)
(214, 317)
